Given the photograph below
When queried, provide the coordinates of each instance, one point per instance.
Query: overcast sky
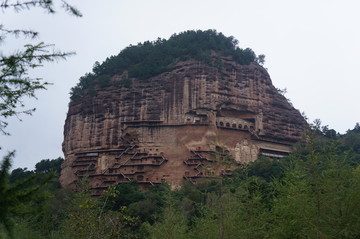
(312, 49)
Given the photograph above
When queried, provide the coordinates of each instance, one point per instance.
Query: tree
(15, 85)
(260, 59)
(47, 165)
(172, 226)
(15, 82)
(318, 196)
(89, 218)
(15, 196)
(19, 174)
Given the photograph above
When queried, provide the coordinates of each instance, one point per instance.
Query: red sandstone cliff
(194, 122)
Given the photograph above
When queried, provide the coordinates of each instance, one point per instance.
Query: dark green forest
(152, 58)
(312, 193)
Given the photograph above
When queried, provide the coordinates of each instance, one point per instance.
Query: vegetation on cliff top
(149, 59)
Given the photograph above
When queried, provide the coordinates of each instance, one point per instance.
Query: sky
(312, 49)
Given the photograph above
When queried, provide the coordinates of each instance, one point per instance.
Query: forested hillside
(312, 193)
(152, 58)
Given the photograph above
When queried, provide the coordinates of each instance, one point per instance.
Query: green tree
(47, 165)
(89, 218)
(19, 174)
(317, 197)
(266, 168)
(173, 225)
(260, 59)
(15, 197)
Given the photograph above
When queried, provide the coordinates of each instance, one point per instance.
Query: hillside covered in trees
(152, 58)
(312, 193)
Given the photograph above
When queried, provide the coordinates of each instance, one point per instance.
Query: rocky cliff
(197, 121)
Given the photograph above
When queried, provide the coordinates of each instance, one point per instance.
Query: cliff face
(194, 122)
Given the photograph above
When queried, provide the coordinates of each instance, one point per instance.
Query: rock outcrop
(196, 121)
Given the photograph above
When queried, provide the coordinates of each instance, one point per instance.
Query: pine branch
(17, 33)
(71, 9)
(48, 5)
(21, 5)
(14, 82)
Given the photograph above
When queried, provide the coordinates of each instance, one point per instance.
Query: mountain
(193, 107)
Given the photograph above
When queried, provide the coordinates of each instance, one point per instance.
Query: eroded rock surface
(196, 121)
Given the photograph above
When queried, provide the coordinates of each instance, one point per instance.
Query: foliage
(45, 4)
(49, 165)
(315, 198)
(352, 138)
(15, 82)
(85, 218)
(172, 225)
(15, 197)
(19, 174)
(312, 193)
(146, 205)
(44, 167)
(149, 59)
(266, 168)
(260, 59)
(323, 131)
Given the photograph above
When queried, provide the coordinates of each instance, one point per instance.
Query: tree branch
(45, 4)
